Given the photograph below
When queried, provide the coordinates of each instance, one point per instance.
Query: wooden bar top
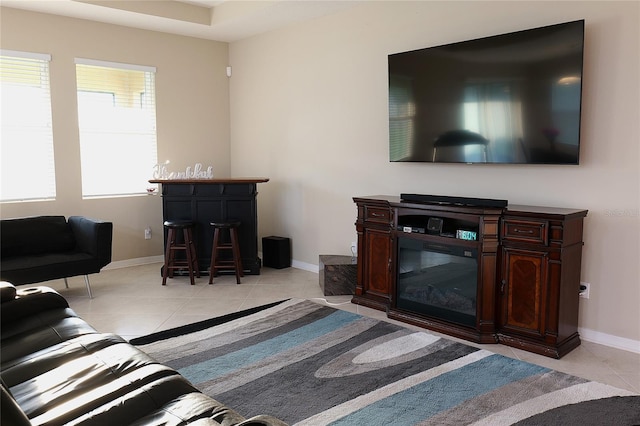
(211, 181)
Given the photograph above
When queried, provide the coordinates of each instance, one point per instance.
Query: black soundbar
(455, 201)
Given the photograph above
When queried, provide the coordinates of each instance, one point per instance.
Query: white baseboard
(609, 340)
(159, 259)
(585, 334)
(134, 262)
(299, 265)
(305, 266)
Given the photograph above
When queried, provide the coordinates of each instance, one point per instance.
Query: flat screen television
(510, 98)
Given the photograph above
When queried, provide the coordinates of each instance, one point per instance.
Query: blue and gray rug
(309, 364)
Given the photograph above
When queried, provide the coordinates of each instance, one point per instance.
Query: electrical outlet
(147, 233)
(584, 290)
(354, 248)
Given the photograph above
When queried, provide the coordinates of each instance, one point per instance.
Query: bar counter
(213, 200)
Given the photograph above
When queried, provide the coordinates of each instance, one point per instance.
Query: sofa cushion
(48, 332)
(192, 408)
(7, 291)
(104, 374)
(34, 235)
(32, 301)
(45, 267)
(162, 402)
(74, 379)
(12, 414)
(76, 407)
(30, 365)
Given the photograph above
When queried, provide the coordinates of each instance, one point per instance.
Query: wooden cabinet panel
(541, 258)
(377, 215)
(375, 253)
(378, 263)
(524, 289)
(529, 231)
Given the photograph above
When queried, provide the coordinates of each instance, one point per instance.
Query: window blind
(26, 140)
(401, 118)
(117, 122)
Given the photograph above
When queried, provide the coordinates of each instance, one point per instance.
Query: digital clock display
(466, 235)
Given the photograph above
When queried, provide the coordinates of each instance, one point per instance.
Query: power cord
(329, 303)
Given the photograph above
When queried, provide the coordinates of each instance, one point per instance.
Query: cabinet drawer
(531, 231)
(377, 215)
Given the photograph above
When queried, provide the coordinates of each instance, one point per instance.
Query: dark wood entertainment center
(528, 269)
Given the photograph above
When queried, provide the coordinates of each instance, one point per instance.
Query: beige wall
(192, 114)
(309, 110)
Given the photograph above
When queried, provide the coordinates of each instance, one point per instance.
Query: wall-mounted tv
(510, 98)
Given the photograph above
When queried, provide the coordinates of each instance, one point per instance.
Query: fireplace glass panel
(437, 280)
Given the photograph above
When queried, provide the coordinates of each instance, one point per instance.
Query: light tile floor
(132, 302)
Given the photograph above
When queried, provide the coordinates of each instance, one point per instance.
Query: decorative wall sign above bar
(162, 172)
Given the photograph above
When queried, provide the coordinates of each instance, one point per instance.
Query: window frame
(42, 187)
(109, 170)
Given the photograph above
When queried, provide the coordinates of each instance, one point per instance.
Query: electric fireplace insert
(437, 280)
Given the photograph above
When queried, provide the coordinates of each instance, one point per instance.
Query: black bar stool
(187, 245)
(218, 264)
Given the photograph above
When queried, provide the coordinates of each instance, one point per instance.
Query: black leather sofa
(56, 369)
(42, 248)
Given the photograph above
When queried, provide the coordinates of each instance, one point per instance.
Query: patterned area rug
(309, 364)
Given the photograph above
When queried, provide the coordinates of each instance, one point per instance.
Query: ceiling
(221, 20)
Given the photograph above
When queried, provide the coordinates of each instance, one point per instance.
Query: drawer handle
(374, 214)
(523, 231)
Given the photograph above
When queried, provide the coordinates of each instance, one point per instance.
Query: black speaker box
(276, 252)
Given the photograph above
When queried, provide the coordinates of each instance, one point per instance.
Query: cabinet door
(377, 278)
(524, 291)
